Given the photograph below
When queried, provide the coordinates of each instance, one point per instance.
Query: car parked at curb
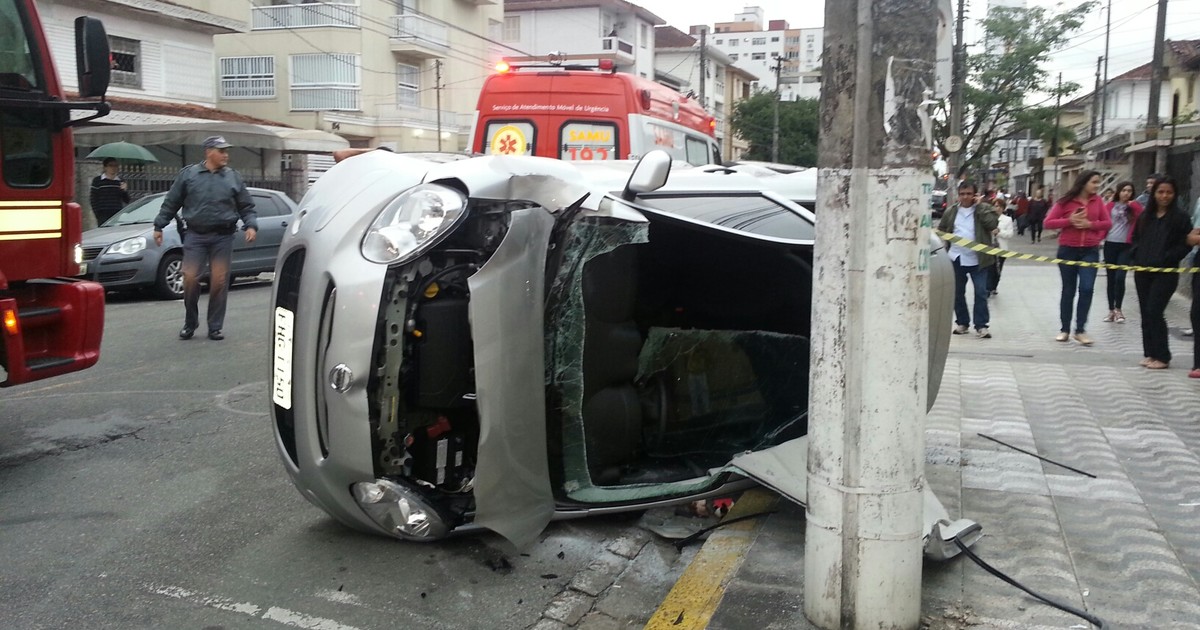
(121, 254)
(497, 342)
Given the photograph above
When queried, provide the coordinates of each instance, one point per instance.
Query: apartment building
(404, 74)
(582, 31)
(759, 46)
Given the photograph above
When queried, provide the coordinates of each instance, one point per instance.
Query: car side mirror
(649, 175)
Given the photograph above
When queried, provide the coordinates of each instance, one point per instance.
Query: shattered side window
(753, 214)
(641, 408)
(565, 331)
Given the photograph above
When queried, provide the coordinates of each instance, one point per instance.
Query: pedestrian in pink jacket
(1083, 220)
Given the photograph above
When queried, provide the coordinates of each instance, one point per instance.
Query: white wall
(1128, 103)
(570, 31)
(188, 54)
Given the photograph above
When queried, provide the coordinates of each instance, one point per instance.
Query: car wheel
(169, 283)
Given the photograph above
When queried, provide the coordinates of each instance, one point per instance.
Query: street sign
(953, 144)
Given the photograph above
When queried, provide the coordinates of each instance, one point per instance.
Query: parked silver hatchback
(121, 254)
(499, 341)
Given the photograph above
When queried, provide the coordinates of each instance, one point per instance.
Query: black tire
(168, 284)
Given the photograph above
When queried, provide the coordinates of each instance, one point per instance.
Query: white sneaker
(961, 330)
(1189, 332)
(983, 333)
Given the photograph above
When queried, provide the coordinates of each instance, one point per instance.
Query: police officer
(213, 197)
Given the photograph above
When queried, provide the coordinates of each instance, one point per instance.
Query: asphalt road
(146, 492)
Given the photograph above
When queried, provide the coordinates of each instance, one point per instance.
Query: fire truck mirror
(93, 61)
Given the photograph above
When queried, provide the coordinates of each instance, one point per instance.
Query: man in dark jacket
(974, 221)
(109, 193)
(213, 197)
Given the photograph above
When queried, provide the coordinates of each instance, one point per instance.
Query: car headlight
(78, 254)
(399, 510)
(413, 222)
(128, 247)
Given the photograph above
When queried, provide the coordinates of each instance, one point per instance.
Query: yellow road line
(1004, 253)
(694, 599)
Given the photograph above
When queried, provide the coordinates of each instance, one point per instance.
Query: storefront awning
(285, 139)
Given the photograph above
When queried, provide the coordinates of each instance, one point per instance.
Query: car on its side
(121, 254)
(499, 341)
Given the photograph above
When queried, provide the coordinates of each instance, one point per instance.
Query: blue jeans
(216, 250)
(979, 280)
(1082, 277)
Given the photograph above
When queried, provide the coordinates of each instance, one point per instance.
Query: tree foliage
(1007, 74)
(754, 120)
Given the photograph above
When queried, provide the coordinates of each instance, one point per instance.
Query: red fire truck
(588, 113)
(50, 323)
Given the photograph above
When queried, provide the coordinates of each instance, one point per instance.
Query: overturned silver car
(497, 342)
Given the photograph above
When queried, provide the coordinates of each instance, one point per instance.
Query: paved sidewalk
(1125, 546)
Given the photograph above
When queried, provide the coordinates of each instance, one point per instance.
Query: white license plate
(281, 366)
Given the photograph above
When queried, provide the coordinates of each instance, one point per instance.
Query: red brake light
(712, 124)
(502, 67)
(644, 97)
(607, 64)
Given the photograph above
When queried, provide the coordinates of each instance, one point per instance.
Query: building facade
(403, 74)
(770, 49)
(582, 31)
(678, 60)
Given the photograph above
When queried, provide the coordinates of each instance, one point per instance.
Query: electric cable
(1090, 618)
(1047, 460)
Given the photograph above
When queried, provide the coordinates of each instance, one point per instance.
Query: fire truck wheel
(169, 283)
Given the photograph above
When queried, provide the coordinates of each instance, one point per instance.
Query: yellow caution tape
(1004, 253)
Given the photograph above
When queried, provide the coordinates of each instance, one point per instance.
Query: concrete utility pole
(1104, 86)
(437, 68)
(1054, 148)
(954, 160)
(775, 130)
(1096, 97)
(863, 544)
(703, 64)
(1153, 124)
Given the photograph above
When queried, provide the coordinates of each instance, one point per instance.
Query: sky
(1131, 41)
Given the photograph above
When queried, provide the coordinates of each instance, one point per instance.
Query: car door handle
(283, 223)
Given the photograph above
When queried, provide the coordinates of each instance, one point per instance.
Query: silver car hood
(104, 236)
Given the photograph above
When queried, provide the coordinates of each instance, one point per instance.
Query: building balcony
(308, 15)
(620, 49)
(326, 98)
(419, 36)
